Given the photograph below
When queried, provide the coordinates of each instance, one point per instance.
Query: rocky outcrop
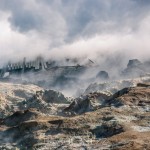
(16, 97)
(21, 116)
(102, 75)
(135, 68)
(100, 120)
(51, 96)
(109, 87)
(137, 96)
(133, 63)
(87, 103)
(108, 129)
(12, 95)
(46, 101)
(112, 87)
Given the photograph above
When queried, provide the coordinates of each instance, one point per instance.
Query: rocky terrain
(110, 115)
(74, 75)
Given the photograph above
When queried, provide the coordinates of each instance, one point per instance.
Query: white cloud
(64, 28)
(15, 45)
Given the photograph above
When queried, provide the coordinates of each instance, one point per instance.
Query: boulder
(51, 96)
(87, 103)
(133, 63)
(134, 69)
(20, 116)
(107, 129)
(103, 75)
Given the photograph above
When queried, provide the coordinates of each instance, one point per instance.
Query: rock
(135, 69)
(51, 96)
(47, 101)
(12, 95)
(133, 63)
(87, 103)
(136, 96)
(103, 75)
(110, 87)
(99, 122)
(143, 84)
(20, 116)
(107, 129)
(79, 106)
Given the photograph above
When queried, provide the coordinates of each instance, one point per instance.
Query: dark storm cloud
(82, 17)
(98, 16)
(25, 21)
(22, 17)
(142, 2)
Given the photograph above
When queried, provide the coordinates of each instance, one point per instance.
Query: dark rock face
(80, 106)
(107, 129)
(134, 69)
(87, 103)
(133, 63)
(51, 96)
(20, 116)
(103, 75)
(137, 96)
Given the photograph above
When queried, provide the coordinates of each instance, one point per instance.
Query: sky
(95, 29)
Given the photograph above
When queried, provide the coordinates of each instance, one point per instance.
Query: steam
(58, 29)
(106, 32)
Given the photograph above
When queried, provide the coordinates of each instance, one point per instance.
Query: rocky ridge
(98, 120)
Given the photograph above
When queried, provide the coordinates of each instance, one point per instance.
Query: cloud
(81, 28)
(15, 45)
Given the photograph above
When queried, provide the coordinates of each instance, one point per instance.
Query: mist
(109, 33)
(82, 29)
